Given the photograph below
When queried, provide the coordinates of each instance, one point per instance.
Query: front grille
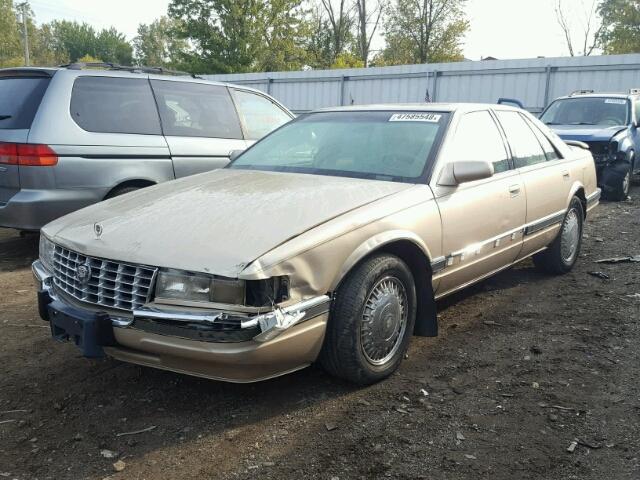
(110, 284)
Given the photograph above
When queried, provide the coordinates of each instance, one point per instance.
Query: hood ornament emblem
(83, 274)
(97, 229)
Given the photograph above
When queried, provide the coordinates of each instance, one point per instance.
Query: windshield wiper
(552, 123)
(582, 123)
(5, 117)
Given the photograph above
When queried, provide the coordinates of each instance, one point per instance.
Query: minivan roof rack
(127, 68)
(581, 92)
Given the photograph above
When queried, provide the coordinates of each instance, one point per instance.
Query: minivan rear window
(20, 98)
(115, 105)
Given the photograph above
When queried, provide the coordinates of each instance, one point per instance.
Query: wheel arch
(411, 249)
(578, 190)
(137, 183)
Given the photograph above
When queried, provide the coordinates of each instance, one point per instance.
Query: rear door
(259, 114)
(200, 123)
(20, 97)
(546, 176)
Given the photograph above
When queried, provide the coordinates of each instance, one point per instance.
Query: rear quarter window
(115, 105)
(20, 98)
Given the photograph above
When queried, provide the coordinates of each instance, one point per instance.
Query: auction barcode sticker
(415, 117)
(617, 101)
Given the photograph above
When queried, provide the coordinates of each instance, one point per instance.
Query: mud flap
(427, 321)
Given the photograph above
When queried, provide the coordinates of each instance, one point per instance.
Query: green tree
(112, 46)
(156, 45)
(10, 43)
(620, 26)
(72, 39)
(230, 36)
(424, 31)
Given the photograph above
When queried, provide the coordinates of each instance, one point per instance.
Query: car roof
(418, 107)
(104, 72)
(600, 95)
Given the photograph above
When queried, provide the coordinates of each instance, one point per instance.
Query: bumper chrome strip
(594, 197)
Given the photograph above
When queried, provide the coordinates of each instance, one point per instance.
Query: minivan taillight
(27, 154)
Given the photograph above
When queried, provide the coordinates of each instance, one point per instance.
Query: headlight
(177, 285)
(47, 251)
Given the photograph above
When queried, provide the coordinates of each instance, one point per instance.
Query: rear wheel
(562, 254)
(371, 322)
(116, 192)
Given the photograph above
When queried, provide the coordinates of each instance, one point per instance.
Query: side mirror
(235, 154)
(470, 171)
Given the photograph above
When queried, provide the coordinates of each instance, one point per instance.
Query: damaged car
(608, 124)
(328, 241)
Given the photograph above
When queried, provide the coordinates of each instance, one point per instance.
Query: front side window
(478, 139)
(638, 112)
(525, 147)
(605, 111)
(190, 109)
(114, 105)
(393, 146)
(260, 115)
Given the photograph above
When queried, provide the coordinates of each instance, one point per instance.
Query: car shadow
(17, 250)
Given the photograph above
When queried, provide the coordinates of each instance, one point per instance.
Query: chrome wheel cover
(384, 320)
(570, 237)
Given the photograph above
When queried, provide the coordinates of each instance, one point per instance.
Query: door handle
(514, 190)
(566, 175)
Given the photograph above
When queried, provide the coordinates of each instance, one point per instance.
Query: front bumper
(283, 340)
(32, 209)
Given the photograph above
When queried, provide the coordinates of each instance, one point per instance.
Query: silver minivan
(72, 136)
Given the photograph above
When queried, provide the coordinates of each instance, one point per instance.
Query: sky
(499, 28)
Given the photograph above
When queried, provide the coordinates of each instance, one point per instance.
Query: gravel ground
(525, 365)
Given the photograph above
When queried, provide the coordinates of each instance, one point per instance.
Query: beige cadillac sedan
(328, 241)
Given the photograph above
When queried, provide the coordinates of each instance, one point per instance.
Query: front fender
(375, 243)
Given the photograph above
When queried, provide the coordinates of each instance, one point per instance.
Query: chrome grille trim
(112, 284)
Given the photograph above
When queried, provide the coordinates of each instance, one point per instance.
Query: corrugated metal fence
(535, 82)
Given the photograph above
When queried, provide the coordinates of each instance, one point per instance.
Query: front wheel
(371, 322)
(562, 254)
(620, 189)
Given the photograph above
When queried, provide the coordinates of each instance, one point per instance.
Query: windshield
(587, 111)
(395, 146)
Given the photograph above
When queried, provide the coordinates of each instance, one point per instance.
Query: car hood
(217, 222)
(586, 133)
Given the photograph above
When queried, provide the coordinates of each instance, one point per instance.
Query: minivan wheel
(371, 321)
(562, 254)
(116, 192)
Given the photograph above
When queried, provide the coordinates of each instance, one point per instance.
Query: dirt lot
(524, 365)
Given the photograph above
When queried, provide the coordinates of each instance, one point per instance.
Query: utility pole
(25, 34)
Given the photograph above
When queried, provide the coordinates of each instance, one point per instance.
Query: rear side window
(549, 150)
(19, 101)
(524, 145)
(114, 105)
(478, 138)
(259, 114)
(196, 110)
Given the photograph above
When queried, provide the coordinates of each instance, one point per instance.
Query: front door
(481, 220)
(200, 124)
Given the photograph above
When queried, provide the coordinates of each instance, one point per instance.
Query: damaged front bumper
(221, 345)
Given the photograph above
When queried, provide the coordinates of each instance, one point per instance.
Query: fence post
(547, 87)
(269, 83)
(434, 97)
